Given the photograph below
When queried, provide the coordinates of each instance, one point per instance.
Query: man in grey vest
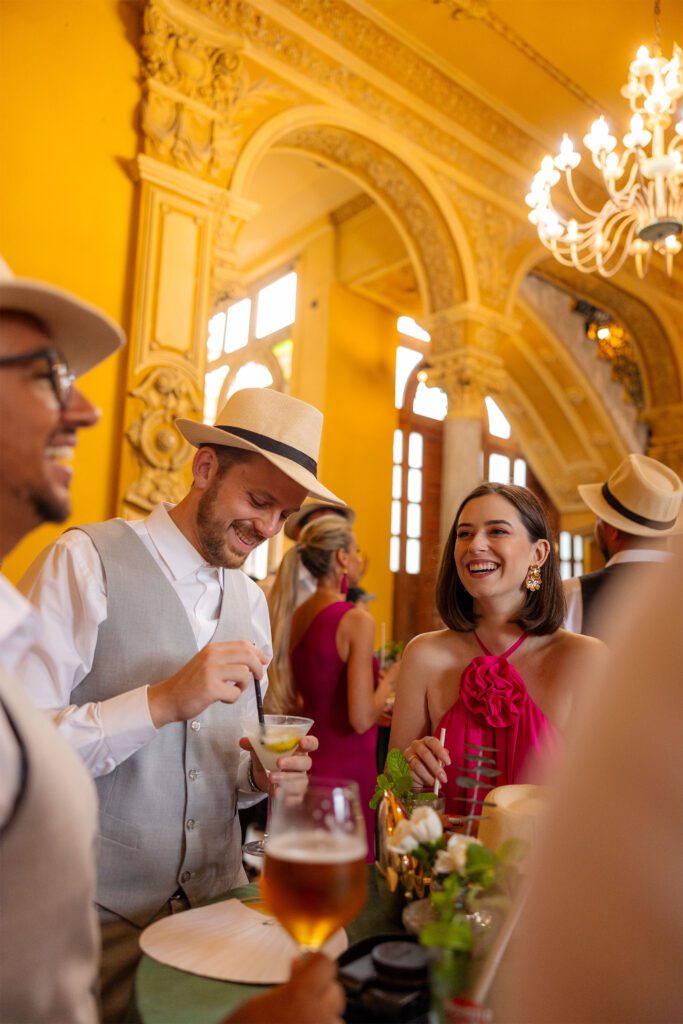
(152, 635)
(48, 928)
(638, 510)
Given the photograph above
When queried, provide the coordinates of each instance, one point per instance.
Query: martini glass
(276, 737)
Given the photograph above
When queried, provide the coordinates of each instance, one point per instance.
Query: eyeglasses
(60, 376)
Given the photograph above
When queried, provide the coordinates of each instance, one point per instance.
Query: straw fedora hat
(282, 429)
(641, 497)
(80, 332)
(297, 520)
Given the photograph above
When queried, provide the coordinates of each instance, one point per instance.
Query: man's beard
(48, 507)
(213, 535)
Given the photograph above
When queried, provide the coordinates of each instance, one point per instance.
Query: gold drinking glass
(278, 736)
(315, 874)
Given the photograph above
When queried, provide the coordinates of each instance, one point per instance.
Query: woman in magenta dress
(323, 665)
(502, 675)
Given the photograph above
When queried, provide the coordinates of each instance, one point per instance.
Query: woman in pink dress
(323, 665)
(502, 675)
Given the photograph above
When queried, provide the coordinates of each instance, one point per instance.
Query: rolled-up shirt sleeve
(66, 584)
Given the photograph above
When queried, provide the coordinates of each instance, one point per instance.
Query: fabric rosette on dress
(493, 711)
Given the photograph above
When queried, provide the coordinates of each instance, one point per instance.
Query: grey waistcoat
(48, 931)
(168, 813)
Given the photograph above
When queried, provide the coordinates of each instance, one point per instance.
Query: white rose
(454, 857)
(402, 839)
(423, 826)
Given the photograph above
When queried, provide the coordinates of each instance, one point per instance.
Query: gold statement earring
(533, 577)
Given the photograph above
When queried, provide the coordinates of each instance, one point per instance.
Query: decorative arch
(385, 168)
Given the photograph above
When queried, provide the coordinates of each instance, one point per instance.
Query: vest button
(191, 823)
(193, 774)
(186, 876)
(196, 726)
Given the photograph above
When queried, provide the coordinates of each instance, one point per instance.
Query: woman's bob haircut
(543, 610)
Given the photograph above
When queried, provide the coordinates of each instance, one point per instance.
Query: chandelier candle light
(646, 211)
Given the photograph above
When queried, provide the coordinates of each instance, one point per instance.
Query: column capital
(468, 324)
(467, 375)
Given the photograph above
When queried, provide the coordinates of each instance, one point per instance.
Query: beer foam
(314, 846)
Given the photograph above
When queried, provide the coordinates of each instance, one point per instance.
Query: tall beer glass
(315, 875)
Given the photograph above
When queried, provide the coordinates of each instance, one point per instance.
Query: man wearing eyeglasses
(48, 932)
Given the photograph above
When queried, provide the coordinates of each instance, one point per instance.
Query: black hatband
(652, 524)
(269, 444)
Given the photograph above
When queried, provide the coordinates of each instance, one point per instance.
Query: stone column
(466, 366)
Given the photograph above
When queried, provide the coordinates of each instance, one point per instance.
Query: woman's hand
(426, 758)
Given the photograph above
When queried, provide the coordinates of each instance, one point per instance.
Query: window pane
(251, 375)
(214, 342)
(237, 331)
(394, 554)
(415, 485)
(283, 353)
(520, 472)
(499, 426)
(499, 469)
(578, 568)
(414, 521)
(398, 446)
(565, 570)
(413, 557)
(431, 402)
(406, 361)
(213, 382)
(578, 547)
(406, 325)
(565, 545)
(396, 517)
(256, 564)
(415, 451)
(276, 305)
(397, 482)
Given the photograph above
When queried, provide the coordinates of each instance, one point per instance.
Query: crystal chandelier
(644, 184)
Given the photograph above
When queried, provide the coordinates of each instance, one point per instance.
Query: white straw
(382, 642)
(442, 740)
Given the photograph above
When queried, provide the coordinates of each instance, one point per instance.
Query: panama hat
(82, 334)
(641, 497)
(282, 429)
(297, 520)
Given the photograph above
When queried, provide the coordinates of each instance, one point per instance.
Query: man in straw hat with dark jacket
(637, 511)
(152, 635)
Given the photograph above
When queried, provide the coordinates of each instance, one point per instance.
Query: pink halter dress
(493, 710)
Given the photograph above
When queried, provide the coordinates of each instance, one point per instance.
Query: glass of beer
(277, 737)
(315, 875)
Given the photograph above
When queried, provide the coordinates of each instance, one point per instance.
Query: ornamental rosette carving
(166, 393)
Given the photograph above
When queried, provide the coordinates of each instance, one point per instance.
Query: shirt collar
(640, 555)
(16, 610)
(180, 556)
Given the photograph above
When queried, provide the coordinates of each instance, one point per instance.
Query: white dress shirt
(67, 585)
(19, 628)
(572, 588)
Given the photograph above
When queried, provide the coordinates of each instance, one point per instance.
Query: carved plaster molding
(661, 377)
(165, 393)
(480, 10)
(666, 441)
(232, 212)
(423, 86)
(402, 192)
(196, 95)
(467, 375)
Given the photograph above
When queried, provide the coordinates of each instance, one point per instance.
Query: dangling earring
(533, 577)
(344, 584)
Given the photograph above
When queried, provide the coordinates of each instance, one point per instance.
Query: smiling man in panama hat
(638, 509)
(152, 635)
(48, 930)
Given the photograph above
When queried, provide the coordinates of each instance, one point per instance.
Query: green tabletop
(165, 995)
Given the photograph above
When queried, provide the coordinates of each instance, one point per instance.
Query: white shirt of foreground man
(67, 582)
(602, 936)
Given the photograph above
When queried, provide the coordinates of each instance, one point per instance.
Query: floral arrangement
(396, 779)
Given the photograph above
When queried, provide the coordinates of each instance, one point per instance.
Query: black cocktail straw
(259, 704)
